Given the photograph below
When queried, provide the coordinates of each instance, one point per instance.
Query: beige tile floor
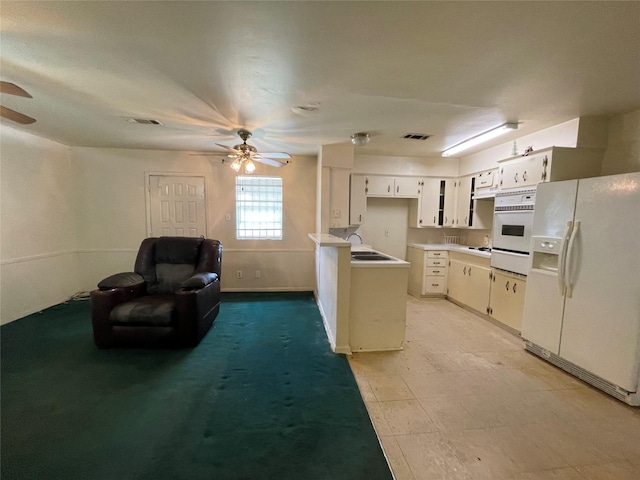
(463, 400)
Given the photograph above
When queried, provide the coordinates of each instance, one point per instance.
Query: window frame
(265, 199)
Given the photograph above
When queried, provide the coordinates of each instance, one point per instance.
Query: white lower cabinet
(469, 280)
(506, 304)
(428, 272)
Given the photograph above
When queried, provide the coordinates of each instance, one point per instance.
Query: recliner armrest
(121, 280)
(199, 280)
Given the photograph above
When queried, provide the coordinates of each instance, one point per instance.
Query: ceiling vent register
(416, 136)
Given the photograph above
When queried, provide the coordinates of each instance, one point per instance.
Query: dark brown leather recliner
(171, 298)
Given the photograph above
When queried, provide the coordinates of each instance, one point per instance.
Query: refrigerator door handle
(567, 273)
(563, 252)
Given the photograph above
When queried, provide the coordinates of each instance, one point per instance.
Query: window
(258, 208)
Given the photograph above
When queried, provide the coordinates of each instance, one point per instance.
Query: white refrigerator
(582, 304)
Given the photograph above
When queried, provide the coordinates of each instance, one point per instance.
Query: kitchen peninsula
(362, 298)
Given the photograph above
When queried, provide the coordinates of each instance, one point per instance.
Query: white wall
(386, 226)
(38, 263)
(623, 151)
(113, 217)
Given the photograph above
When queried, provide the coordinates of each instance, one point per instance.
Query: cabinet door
(478, 287)
(464, 204)
(429, 203)
(378, 186)
(510, 175)
(506, 301)
(407, 187)
(484, 180)
(532, 168)
(449, 203)
(357, 199)
(457, 281)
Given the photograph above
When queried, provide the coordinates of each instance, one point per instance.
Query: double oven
(512, 225)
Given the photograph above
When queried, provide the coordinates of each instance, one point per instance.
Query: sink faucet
(354, 233)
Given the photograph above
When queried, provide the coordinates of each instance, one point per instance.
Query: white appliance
(582, 304)
(512, 223)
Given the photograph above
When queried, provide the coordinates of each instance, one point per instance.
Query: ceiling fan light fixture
(236, 165)
(478, 139)
(249, 166)
(360, 139)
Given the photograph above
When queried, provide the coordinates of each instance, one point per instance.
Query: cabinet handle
(398, 189)
(464, 271)
(515, 178)
(360, 218)
(494, 279)
(388, 188)
(446, 219)
(524, 176)
(507, 286)
(420, 221)
(434, 219)
(514, 288)
(469, 271)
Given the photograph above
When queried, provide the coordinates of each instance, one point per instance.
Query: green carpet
(261, 397)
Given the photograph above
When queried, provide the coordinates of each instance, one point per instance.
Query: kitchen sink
(369, 256)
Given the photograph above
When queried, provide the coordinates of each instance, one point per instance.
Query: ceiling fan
(13, 89)
(244, 155)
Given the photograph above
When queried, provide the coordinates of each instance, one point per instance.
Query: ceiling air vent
(416, 136)
(145, 121)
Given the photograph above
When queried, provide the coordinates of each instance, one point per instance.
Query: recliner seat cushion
(150, 310)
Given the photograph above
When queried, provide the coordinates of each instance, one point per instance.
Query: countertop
(395, 262)
(450, 248)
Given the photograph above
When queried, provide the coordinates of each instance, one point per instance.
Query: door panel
(177, 206)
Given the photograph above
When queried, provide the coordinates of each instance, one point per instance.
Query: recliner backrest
(166, 262)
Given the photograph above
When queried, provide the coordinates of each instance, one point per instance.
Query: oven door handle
(563, 253)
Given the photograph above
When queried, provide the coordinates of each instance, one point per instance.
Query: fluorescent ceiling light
(483, 137)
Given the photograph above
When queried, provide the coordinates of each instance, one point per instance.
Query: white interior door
(177, 206)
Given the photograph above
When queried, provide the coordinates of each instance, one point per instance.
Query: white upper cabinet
(407, 187)
(448, 201)
(464, 203)
(400, 187)
(378, 186)
(549, 165)
(357, 199)
(436, 205)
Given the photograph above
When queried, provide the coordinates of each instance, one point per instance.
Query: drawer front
(436, 262)
(434, 285)
(436, 271)
(436, 254)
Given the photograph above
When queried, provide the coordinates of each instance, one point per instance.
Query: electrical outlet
(386, 233)
(257, 273)
(239, 274)
(227, 217)
(337, 213)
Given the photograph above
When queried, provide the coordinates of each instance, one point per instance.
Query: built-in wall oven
(512, 225)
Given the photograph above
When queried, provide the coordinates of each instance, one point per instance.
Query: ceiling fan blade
(270, 161)
(16, 116)
(13, 89)
(227, 147)
(275, 154)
